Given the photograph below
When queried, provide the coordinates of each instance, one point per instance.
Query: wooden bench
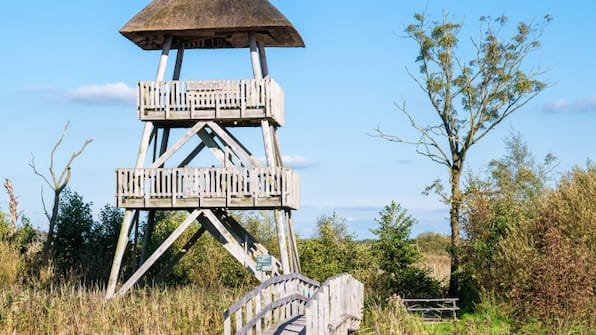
(433, 309)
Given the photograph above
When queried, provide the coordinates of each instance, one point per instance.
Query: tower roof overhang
(210, 24)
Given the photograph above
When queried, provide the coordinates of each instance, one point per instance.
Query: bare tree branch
(59, 184)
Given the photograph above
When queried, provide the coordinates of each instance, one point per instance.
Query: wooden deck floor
(294, 326)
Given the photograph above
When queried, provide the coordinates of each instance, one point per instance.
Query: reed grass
(76, 310)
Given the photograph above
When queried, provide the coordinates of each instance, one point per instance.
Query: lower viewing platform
(237, 102)
(241, 188)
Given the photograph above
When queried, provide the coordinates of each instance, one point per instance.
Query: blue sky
(65, 61)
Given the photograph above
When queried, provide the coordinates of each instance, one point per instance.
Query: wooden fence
(269, 187)
(236, 100)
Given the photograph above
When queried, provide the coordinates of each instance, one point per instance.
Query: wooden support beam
(147, 235)
(178, 66)
(189, 134)
(276, 146)
(213, 146)
(163, 59)
(219, 231)
(293, 245)
(192, 155)
(148, 127)
(281, 237)
(231, 141)
(119, 253)
(254, 57)
(263, 59)
(268, 142)
(165, 136)
(128, 216)
(159, 251)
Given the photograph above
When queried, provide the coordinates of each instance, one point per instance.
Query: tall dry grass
(390, 318)
(439, 267)
(11, 264)
(68, 310)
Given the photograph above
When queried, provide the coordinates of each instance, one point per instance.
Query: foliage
(206, 263)
(433, 243)
(551, 258)
(331, 251)
(261, 225)
(492, 206)
(74, 224)
(102, 244)
(470, 97)
(397, 254)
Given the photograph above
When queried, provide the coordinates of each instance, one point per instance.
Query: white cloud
(298, 162)
(575, 106)
(106, 94)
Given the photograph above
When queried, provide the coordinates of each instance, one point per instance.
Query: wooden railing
(269, 187)
(336, 307)
(433, 309)
(275, 300)
(244, 101)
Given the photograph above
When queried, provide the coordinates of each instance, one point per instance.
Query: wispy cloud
(587, 104)
(298, 162)
(106, 94)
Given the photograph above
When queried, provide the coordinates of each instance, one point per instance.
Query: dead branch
(58, 184)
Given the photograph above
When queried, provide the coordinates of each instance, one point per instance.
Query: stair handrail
(275, 300)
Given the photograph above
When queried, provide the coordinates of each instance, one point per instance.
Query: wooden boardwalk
(294, 326)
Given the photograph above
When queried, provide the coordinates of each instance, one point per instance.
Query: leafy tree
(397, 254)
(331, 251)
(469, 97)
(395, 248)
(102, 243)
(74, 224)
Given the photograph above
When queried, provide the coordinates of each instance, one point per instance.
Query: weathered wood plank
(267, 188)
(232, 102)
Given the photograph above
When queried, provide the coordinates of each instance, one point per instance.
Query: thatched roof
(210, 24)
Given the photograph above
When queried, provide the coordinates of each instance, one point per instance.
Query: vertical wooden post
(120, 248)
(148, 128)
(128, 215)
(281, 237)
(268, 142)
(178, 66)
(147, 235)
(293, 246)
(263, 59)
(254, 57)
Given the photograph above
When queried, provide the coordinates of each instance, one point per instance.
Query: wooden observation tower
(209, 112)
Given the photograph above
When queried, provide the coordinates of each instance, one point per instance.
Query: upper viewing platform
(232, 102)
